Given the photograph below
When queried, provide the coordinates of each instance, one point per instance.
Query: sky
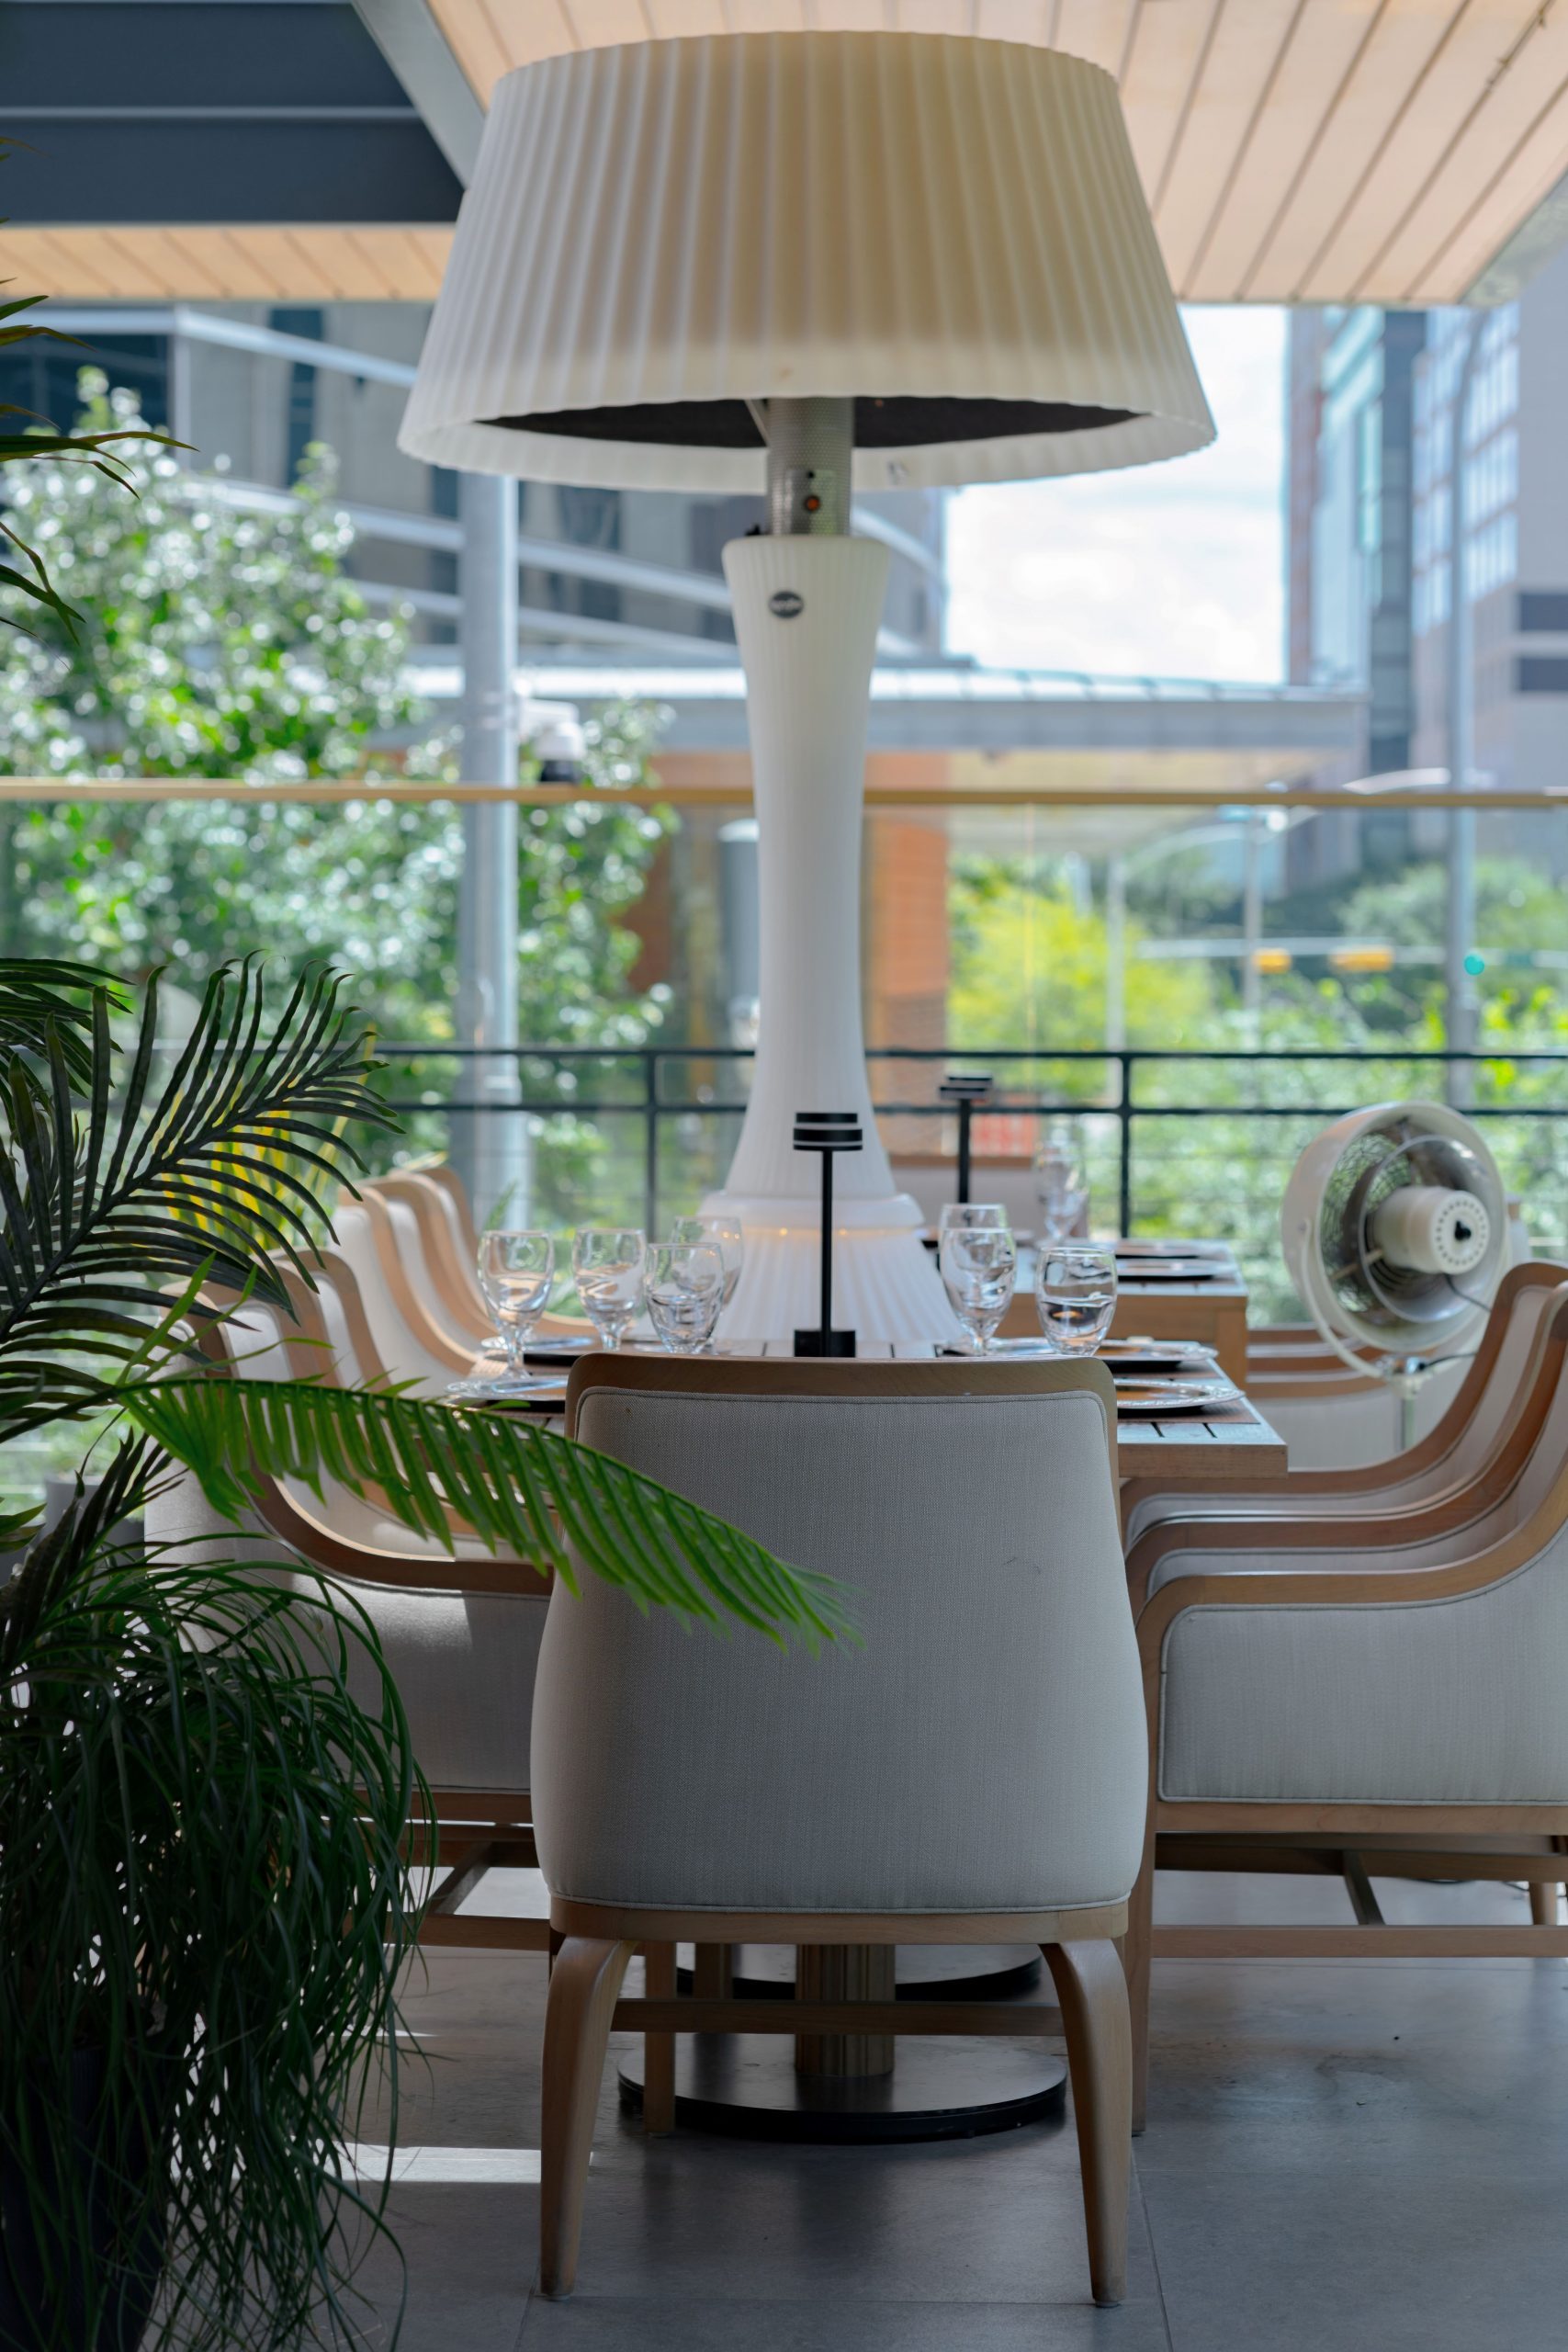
(1174, 570)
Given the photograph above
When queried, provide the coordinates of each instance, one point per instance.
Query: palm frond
(519, 1487)
(205, 1782)
(36, 996)
(40, 438)
(103, 1202)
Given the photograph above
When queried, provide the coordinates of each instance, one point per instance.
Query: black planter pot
(44, 2299)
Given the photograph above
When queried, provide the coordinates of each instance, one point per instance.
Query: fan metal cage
(1358, 1292)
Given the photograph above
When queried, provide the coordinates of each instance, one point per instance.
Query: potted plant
(203, 1901)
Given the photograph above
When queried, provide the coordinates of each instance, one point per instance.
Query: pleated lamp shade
(950, 232)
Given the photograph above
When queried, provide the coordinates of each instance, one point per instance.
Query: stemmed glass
(979, 1267)
(971, 1214)
(515, 1269)
(685, 1292)
(1059, 1183)
(1075, 1291)
(607, 1262)
(718, 1232)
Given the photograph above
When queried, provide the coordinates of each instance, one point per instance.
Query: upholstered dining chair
(460, 1630)
(421, 1231)
(1477, 1420)
(1384, 1696)
(687, 1788)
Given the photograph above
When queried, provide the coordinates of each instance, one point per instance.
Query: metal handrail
(651, 1103)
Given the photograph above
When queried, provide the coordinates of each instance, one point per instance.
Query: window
(1541, 673)
(1543, 609)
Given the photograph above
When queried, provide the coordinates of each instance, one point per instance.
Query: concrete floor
(1340, 2154)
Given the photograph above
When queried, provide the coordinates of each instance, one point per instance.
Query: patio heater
(967, 1091)
(808, 264)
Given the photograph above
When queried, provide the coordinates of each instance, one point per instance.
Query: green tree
(221, 641)
(1031, 967)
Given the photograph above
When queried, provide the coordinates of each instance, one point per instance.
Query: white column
(807, 611)
(489, 1148)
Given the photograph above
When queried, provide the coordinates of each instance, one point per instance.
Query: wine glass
(685, 1290)
(607, 1262)
(1075, 1291)
(971, 1214)
(979, 1267)
(515, 1269)
(718, 1232)
(1059, 1183)
(1061, 1212)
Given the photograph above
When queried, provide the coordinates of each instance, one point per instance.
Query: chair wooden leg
(658, 2049)
(1543, 1902)
(1136, 1950)
(585, 1984)
(1092, 1990)
(713, 1972)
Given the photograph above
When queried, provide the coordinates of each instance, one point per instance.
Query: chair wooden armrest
(1373, 1478)
(1420, 1522)
(1346, 1588)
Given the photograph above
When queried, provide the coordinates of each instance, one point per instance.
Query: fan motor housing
(1394, 1227)
(1432, 1230)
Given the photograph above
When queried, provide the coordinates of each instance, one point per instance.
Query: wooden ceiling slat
(1394, 155)
(1167, 38)
(1525, 181)
(765, 15)
(475, 41)
(677, 20)
(525, 28)
(262, 265)
(600, 24)
(1238, 70)
(1023, 20)
(1422, 211)
(361, 273)
(54, 261)
(1326, 151)
(934, 16)
(142, 262)
(1096, 29)
(854, 16)
(233, 264)
(1397, 60)
(1313, 59)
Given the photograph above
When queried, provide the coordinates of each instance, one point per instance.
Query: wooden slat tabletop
(1232, 1441)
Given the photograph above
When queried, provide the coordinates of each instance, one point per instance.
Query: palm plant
(24, 436)
(203, 1906)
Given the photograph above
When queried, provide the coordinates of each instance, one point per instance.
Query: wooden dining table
(1229, 1441)
(1168, 1291)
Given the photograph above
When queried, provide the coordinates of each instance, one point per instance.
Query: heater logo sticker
(786, 603)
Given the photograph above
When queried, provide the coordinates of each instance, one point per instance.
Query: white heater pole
(807, 600)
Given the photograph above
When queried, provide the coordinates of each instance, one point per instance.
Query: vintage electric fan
(1395, 1235)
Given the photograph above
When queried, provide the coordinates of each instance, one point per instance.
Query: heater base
(824, 1343)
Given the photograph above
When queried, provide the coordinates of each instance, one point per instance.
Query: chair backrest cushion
(463, 1662)
(984, 1750)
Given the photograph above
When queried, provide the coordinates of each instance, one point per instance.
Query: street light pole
(490, 1146)
(1461, 1002)
(1252, 925)
(1115, 952)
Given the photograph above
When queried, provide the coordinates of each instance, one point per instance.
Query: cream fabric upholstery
(1526, 1314)
(402, 1353)
(1455, 1701)
(984, 1750)
(463, 1663)
(1526, 1496)
(1424, 1702)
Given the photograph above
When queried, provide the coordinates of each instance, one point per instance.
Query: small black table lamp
(827, 1132)
(968, 1091)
